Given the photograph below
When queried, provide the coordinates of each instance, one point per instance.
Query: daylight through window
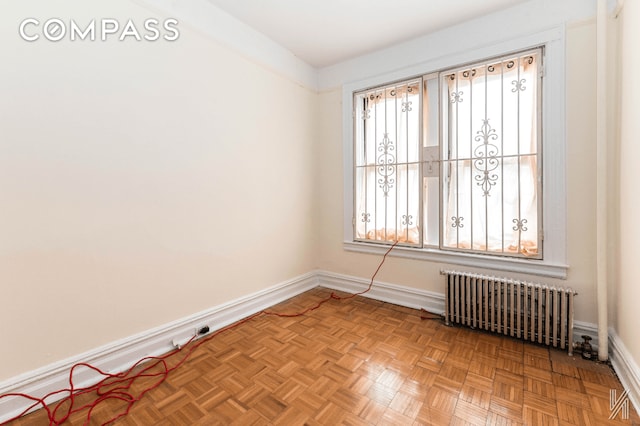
(452, 160)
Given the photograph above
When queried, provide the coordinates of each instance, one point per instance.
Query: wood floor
(364, 362)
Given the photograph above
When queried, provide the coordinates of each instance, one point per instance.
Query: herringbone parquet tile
(364, 362)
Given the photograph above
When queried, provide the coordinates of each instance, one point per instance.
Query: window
(387, 166)
(452, 160)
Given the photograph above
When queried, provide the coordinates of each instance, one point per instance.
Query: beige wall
(140, 182)
(628, 289)
(144, 182)
(424, 275)
(581, 162)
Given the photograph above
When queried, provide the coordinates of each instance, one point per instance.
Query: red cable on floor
(118, 386)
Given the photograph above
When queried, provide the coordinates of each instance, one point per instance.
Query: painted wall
(140, 182)
(143, 182)
(580, 98)
(628, 290)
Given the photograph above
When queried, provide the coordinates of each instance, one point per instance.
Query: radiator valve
(587, 350)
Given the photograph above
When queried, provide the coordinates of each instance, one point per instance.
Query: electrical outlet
(202, 330)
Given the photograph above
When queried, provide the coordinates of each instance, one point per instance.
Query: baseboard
(626, 368)
(392, 293)
(417, 299)
(120, 355)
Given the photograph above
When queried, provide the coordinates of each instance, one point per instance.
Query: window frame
(398, 163)
(553, 158)
(443, 119)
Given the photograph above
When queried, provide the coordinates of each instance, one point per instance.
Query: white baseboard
(623, 363)
(626, 368)
(398, 295)
(122, 354)
(415, 298)
(118, 356)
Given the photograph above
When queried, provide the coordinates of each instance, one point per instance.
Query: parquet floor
(364, 362)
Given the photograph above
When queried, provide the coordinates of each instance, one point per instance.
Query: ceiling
(325, 32)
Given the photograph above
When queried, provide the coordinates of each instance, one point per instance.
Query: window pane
(490, 168)
(387, 175)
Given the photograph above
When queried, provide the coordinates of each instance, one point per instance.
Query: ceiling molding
(520, 20)
(423, 53)
(206, 18)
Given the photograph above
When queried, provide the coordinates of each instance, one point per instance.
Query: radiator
(532, 312)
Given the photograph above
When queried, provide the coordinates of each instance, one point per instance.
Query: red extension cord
(118, 386)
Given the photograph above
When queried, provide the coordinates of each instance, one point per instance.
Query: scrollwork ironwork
(486, 157)
(386, 165)
(457, 222)
(519, 85)
(520, 225)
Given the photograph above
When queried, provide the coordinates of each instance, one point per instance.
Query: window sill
(524, 266)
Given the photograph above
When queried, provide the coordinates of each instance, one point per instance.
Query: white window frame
(553, 158)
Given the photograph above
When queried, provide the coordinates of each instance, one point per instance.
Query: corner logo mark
(619, 405)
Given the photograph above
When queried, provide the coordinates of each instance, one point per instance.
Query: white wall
(140, 182)
(628, 290)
